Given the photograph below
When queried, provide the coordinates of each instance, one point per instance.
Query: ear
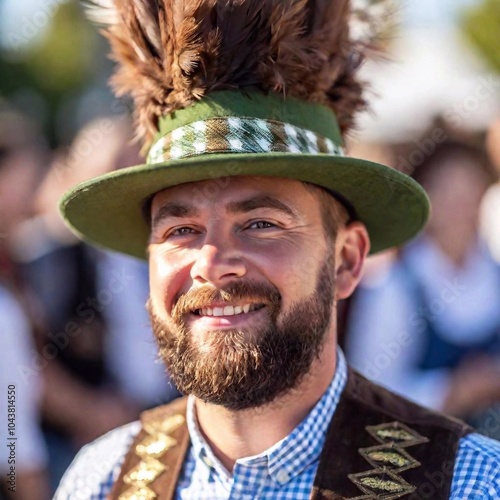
(351, 248)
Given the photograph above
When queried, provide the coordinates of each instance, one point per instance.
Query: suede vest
(378, 446)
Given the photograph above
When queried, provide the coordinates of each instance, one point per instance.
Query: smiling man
(247, 279)
(255, 224)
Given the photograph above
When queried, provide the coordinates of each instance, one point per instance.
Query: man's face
(242, 287)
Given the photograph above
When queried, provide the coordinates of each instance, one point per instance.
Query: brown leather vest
(378, 446)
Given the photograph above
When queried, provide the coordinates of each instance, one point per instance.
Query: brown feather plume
(172, 52)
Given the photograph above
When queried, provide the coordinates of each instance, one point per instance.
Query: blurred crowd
(76, 341)
(425, 322)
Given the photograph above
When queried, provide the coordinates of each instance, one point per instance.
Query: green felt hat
(230, 133)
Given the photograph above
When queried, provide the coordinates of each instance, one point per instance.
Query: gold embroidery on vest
(389, 456)
(381, 484)
(138, 494)
(155, 446)
(152, 447)
(397, 433)
(144, 472)
(388, 459)
(166, 426)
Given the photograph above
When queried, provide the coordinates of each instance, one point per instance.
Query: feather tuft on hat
(171, 53)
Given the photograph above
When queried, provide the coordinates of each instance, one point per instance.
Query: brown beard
(238, 371)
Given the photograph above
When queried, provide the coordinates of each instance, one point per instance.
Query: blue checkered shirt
(283, 472)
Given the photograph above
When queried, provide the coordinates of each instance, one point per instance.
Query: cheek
(166, 279)
(294, 273)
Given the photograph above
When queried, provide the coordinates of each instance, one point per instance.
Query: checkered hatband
(239, 135)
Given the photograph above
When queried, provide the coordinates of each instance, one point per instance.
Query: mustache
(248, 291)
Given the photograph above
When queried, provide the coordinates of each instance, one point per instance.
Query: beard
(247, 368)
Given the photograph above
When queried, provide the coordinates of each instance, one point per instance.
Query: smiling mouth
(228, 310)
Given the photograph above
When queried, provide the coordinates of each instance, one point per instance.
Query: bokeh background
(74, 332)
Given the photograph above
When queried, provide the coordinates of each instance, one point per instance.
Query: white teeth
(218, 311)
(227, 310)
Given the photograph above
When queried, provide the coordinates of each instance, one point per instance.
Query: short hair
(336, 212)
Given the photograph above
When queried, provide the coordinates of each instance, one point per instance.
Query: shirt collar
(290, 456)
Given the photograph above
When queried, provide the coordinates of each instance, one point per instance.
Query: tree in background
(481, 25)
(64, 62)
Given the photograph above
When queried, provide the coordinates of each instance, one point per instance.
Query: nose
(218, 262)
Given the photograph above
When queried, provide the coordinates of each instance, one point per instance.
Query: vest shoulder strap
(154, 460)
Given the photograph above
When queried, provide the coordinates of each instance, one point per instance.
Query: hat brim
(107, 210)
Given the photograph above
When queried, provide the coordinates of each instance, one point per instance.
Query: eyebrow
(174, 210)
(263, 201)
(253, 203)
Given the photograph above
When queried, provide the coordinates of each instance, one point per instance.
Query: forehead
(220, 192)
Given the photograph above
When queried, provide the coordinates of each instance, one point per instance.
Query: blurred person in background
(131, 354)
(428, 326)
(490, 210)
(91, 301)
(22, 153)
(121, 282)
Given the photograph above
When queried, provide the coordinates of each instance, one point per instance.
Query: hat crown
(172, 53)
(252, 103)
